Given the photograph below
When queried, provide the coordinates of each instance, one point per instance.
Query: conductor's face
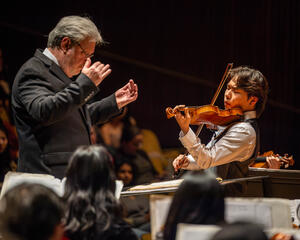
(75, 55)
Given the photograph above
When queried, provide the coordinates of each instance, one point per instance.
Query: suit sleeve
(46, 106)
(103, 110)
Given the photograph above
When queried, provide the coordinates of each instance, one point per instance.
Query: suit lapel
(59, 73)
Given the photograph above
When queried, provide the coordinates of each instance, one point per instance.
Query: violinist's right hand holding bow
(183, 120)
(181, 161)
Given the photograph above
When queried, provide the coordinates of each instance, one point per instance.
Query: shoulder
(241, 132)
(32, 67)
(243, 127)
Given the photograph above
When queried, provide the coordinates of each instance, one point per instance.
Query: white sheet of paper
(13, 179)
(196, 232)
(254, 212)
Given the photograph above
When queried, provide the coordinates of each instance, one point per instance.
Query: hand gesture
(183, 120)
(180, 162)
(126, 94)
(96, 71)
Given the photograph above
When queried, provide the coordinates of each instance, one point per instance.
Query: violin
(285, 160)
(282, 236)
(208, 114)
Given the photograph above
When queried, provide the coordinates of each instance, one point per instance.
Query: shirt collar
(47, 53)
(249, 115)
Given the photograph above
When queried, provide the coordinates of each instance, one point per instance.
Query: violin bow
(224, 77)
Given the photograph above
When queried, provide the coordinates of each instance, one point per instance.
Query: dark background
(177, 51)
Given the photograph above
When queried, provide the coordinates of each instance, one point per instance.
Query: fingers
(131, 84)
(105, 71)
(180, 161)
(133, 89)
(273, 162)
(177, 108)
(187, 113)
(87, 63)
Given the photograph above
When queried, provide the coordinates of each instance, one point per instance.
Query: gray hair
(76, 28)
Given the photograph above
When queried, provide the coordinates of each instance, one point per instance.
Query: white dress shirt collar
(47, 53)
(249, 115)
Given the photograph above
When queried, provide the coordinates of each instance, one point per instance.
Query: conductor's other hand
(126, 94)
(180, 162)
(97, 71)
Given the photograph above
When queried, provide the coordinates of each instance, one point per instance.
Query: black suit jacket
(51, 114)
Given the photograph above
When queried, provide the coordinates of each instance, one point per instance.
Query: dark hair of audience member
(92, 208)
(31, 212)
(240, 230)
(198, 200)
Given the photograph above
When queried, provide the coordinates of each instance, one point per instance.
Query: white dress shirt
(47, 53)
(237, 144)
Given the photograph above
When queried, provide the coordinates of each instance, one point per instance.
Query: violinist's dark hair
(89, 193)
(254, 83)
(30, 211)
(198, 200)
(241, 230)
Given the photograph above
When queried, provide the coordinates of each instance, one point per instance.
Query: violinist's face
(238, 98)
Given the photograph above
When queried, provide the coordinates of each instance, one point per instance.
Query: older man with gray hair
(50, 95)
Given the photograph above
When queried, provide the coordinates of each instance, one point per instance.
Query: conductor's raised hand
(183, 120)
(180, 162)
(126, 94)
(97, 71)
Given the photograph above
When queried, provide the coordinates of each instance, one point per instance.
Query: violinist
(233, 147)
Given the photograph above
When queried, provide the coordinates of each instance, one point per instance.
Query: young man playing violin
(233, 147)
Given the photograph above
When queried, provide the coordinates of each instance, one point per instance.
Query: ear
(253, 100)
(65, 44)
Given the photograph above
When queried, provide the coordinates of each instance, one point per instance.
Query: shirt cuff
(188, 139)
(192, 164)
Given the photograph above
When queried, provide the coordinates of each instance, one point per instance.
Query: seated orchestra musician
(235, 146)
(273, 161)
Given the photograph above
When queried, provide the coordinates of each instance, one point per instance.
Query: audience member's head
(90, 170)
(3, 138)
(125, 171)
(241, 230)
(198, 200)
(90, 193)
(131, 139)
(31, 212)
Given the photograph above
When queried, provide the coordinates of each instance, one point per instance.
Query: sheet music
(157, 185)
(159, 208)
(13, 179)
(236, 211)
(295, 211)
(196, 232)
